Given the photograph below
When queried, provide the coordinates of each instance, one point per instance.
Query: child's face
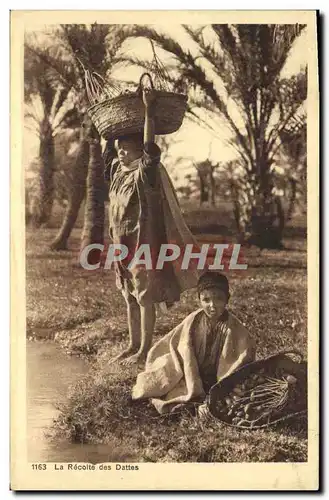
(128, 150)
(213, 301)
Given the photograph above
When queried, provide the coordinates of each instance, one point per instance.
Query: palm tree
(96, 47)
(93, 229)
(91, 47)
(205, 171)
(77, 188)
(294, 139)
(48, 110)
(239, 73)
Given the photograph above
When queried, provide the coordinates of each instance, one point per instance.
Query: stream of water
(49, 374)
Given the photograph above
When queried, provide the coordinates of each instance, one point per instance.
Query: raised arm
(149, 102)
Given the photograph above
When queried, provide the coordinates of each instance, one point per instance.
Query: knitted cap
(213, 280)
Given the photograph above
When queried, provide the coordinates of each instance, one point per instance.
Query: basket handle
(140, 86)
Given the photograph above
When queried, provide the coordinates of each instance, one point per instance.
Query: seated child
(207, 346)
(143, 210)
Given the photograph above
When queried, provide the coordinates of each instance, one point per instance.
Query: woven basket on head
(125, 114)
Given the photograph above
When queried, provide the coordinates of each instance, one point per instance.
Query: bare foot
(138, 358)
(124, 354)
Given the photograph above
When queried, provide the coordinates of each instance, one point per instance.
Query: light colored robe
(172, 375)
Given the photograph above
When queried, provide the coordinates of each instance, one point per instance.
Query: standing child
(143, 209)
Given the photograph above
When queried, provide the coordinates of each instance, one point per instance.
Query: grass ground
(83, 311)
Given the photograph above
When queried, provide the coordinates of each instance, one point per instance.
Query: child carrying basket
(143, 208)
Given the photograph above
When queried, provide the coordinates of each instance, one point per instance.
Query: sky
(192, 141)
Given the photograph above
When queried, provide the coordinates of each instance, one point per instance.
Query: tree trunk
(77, 194)
(212, 186)
(93, 230)
(292, 199)
(267, 224)
(266, 215)
(43, 203)
(203, 188)
(236, 207)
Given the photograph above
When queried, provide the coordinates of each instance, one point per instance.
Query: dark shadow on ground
(277, 267)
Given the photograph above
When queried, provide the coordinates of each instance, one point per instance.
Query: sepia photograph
(164, 200)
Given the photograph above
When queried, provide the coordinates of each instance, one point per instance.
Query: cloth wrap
(157, 219)
(172, 374)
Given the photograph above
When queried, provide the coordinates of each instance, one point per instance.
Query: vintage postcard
(164, 250)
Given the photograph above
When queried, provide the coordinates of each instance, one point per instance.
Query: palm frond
(193, 73)
(63, 71)
(284, 36)
(291, 95)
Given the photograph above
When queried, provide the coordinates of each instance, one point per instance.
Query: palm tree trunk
(93, 230)
(267, 220)
(77, 194)
(44, 201)
(203, 188)
(292, 199)
(212, 186)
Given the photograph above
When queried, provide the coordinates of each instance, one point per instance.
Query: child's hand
(148, 97)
